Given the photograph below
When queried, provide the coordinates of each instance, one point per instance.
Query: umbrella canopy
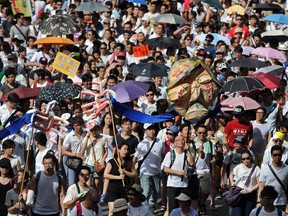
(149, 70)
(248, 63)
(243, 84)
(214, 3)
(270, 81)
(143, 2)
(217, 37)
(273, 69)
(59, 91)
(236, 9)
(170, 18)
(279, 35)
(23, 93)
(230, 103)
(64, 24)
(247, 50)
(277, 18)
(269, 53)
(54, 40)
(91, 7)
(130, 90)
(268, 7)
(164, 43)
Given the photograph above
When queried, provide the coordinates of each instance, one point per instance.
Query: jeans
(71, 175)
(151, 188)
(247, 203)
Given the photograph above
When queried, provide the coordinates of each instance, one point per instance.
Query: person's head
(19, 17)
(92, 198)
(111, 81)
(172, 132)
(150, 130)
(120, 207)
(184, 201)
(209, 39)
(77, 123)
(239, 113)
(180, 142)
(8, 147)
(13, 100)
(279, 98)
(184, 129)
(123, 150)
(201, 132)
(260, 113)
(134, 195)
(126, 124)
(107, 120)
(19, 177)
(77, 110)
(246, 157)
(84, 174)
(150, 96)
(266, 95)
(10, 74)
(40, 139)
(87, 80)
(238, 142)
(5, 168)
(268, 195)
(276, 153)
(49, 162)
(278, 138)
(239, 20)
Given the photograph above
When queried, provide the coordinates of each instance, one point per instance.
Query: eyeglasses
(239, 19)
(278, 141)
(208, 40)
(247, 158)
(169, 133)
(277, 155)
(84, 175)
(202, 133)
(147, 95)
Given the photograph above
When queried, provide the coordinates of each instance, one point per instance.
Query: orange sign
(141, 51)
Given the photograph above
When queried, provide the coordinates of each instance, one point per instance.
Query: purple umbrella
(130, 90)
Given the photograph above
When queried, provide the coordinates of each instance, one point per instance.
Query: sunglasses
(84, 175)
(277, 155)
(239, 19)
(170, 134)
(247, 158)
(208, 41)
(201, 132)
(5, 167)
(278, 141)
(147, 95)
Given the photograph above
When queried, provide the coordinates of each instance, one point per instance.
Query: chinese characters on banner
(21, 6)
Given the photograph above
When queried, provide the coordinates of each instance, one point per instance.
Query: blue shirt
(177, 212)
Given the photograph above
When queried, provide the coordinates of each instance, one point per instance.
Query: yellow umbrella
(236, 8)
(54, 41)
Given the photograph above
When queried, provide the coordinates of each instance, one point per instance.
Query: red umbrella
(269, 80)
(22, 93)
(230, 103)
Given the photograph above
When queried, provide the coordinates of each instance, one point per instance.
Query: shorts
(205, 182)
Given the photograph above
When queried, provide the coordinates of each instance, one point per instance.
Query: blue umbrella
(277, 18)
(143, 2)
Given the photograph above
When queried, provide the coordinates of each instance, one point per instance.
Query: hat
(201, 52)
(5, 162)
(106, 21)
(43, 60)
(148, 125)
(222, 66)
(219, 51)
(120, 205)
(279, 135)
(95, 87)
(239, 139)
(238, 30)
(174, 129)
(17, 38)
(21, 49)
(183, 197)
(136, 187)
(121, 54)
(12, 56)
(282, 47)
(196, 23)
(238, 110)
(144, 18)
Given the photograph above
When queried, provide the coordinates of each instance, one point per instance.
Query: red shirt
(245, 29)
(234, 128)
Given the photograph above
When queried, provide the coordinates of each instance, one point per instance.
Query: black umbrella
(164, 43)
(64, 24)
(59, 91)
(248, 63)
(149, 70)
(268, 7)
(243, 84)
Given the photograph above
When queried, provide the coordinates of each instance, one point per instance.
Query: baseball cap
(219, 51)
(145, 19)
(239, 139)
(238, 110)
(12, 56)
(21, 49)
(174, 129)
(43, 60)
(121, 54)
(183, 197)
(279, 135)
(136, 187)
(222, 66)
(238, 30)
(196, 23)
(106, 21)
(148, 125)
(201, 52)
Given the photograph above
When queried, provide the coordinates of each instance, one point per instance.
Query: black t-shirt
(6, 89)
(132, 142)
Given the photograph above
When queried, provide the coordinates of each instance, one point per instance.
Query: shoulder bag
(97, 166)
(279, 181)
(145, 156)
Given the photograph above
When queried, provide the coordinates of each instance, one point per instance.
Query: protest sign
(65, 64)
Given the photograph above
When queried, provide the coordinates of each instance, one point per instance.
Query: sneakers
(219, 195)
(153, 209)
(102, 198)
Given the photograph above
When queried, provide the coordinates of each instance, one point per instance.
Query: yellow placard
(21, 6)
(65, 64)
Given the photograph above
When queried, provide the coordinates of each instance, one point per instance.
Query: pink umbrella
(230, 103)
(269, 80)
(269, 53)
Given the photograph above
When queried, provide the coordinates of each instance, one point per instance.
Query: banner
(141, 51)
(66, 64)
(21, 6)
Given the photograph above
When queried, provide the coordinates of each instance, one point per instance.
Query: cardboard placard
(141, 51)
(65, 64)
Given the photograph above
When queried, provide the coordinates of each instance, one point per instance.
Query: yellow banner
(21, 6)
(65, 64)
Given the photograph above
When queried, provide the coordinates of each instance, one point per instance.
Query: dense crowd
(105, 157)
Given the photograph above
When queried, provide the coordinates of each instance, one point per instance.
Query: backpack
(259, 209)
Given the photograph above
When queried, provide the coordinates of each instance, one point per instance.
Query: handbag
(233, 198)
(145, 156)
(97, 166)
(74, 163)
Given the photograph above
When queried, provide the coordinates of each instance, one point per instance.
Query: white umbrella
(170, 18)
(91, 7)
(274, 70)
(280, 35)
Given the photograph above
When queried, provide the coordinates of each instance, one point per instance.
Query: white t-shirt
(260, 132)
(99, 149)
(241, 175)
(267, 159)
(264, 213)
(142, 210)
(39, 160)
(86, 212)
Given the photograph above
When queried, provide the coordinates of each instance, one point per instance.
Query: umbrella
(164, 42)
(244, 84)
(277, 18)
(130, 90)
(143, 2)
(214, 3)
(54, 40)
(149, 70)
(237, 9)
(248, 63)
(230, 103)
(268, 7)
(270, 81)
(247, 50)
(170, 18)
(273, 69)
(269, 53)
(23, 93)
(279, 35)
(217, 37)
(59, 91)
(63, 24)
(92, 6)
